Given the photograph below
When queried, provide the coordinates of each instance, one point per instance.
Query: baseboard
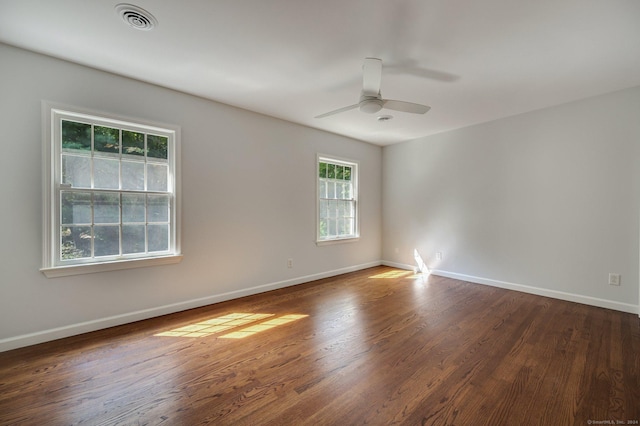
(101, 323)
(571, 297)
(398, 265)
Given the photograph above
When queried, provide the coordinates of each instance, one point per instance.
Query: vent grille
(136, 17)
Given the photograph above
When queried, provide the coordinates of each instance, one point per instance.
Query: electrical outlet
(289, 263)
(614, 279)
(439, 255)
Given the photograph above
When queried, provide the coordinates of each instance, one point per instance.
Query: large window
(337, 199)
(110, 193)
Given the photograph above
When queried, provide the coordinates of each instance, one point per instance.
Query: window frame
(355, 190)
(52, 265)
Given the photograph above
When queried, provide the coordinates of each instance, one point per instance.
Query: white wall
(248, 204)
(545, 202)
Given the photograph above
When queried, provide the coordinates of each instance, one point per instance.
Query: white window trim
(337, 241)
(49, 182)
(346, 162)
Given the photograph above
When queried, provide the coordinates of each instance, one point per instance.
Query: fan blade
(371, 76)
(405, 106)
(337, 111)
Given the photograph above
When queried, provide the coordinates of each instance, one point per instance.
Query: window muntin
(112, 191)
(337, 199)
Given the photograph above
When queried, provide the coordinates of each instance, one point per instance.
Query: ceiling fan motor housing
(370, 104)
(370, 98)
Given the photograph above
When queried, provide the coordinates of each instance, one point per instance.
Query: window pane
(323, 227)
(76, 136)
(76, 170)
(324, 208)
(106, 173)
(106, 208)
(158, 208)
(339, 190)
(157, 177)
(133, 239)
(322, 189)
(133, 208)
(132, 175)
(350, 209)
(331, 227)
(350, 228)
(106, 241)
(332, 210)
(157, 146)
(339, 172)
(132, 143)
(331, 190)
(75, 208)
(158, 236)
(347, 173)
(346, 191)
(331, 171)
(322, 170)
(341, 208)
(75, 242)
(106, 139)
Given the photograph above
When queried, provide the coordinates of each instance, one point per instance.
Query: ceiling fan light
(371, 106)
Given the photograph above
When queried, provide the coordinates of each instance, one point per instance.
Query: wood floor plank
(378, 346)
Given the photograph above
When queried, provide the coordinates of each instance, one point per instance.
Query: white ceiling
(471, 61)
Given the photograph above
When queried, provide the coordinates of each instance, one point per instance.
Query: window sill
(337, 241)
(64, 271)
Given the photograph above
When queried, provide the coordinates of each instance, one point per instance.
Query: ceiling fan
(370, 99)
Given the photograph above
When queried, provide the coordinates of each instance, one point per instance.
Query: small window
(337, 200)
(111, 193)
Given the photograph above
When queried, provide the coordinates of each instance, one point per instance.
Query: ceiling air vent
(136, 17)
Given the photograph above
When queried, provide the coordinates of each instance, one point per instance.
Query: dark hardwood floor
(378, 346)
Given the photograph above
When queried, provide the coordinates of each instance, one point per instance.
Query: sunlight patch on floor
(393, 274)
(265, 325)
(230, 322)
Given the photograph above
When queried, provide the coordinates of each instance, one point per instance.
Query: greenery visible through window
(337, 199)
(113, 190)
